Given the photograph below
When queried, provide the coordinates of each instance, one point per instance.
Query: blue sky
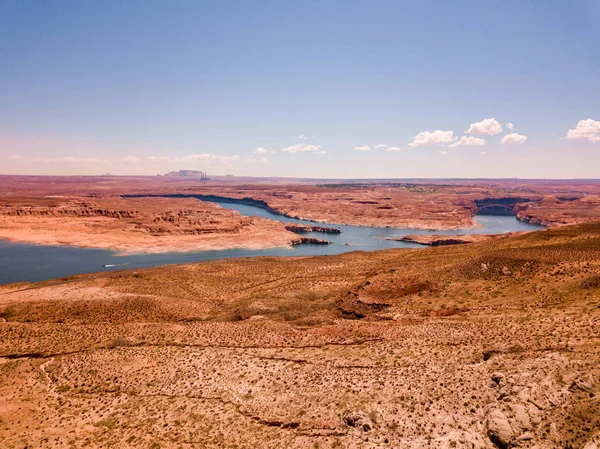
(132, 87)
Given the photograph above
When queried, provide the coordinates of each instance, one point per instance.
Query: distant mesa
(188, 174)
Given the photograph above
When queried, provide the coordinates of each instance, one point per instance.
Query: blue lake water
(22, 262)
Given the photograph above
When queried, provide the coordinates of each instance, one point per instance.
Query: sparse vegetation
(422, 346)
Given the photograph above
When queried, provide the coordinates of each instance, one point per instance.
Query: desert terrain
(136, 225)
(299, 224)
(490, 344)
(494, 344)
(96, 212)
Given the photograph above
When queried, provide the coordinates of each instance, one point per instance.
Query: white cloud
(586, 130)
(16, 157)
(443, 152)
(393, 149)
(49, 155)
(432, 138)
(203, 157)
(159, 159)
(302, 137)
(363, 148)
(208, 157)
(302, 148)
(513, 139)
(510, 126)
(489, 126)
(468, 141)
(81, 160)
(59, 160)
(381, 145)
(260, 150)
(260, 160)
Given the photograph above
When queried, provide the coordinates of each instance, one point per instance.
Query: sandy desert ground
(137, 225)
(494, 344)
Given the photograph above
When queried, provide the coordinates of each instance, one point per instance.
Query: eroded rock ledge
(302, 228)
(137, 224)
(442, 240)
(310, 241)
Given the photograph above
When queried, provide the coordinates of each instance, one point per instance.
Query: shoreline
(189, 243)
(130, 250)
(247, 201)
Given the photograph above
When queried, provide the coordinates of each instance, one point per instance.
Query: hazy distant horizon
(340, 89)
(308, 178)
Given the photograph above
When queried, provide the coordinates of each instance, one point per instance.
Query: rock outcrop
(442, 240)
(524, 404)
(359, 420)
(137, 224)
(82, 209)
(310, 241)
(302, 228)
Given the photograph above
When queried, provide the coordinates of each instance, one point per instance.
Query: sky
(320, 89)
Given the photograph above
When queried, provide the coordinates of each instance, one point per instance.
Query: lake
(23, 262)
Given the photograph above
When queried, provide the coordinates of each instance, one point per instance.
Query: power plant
(189, 173)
